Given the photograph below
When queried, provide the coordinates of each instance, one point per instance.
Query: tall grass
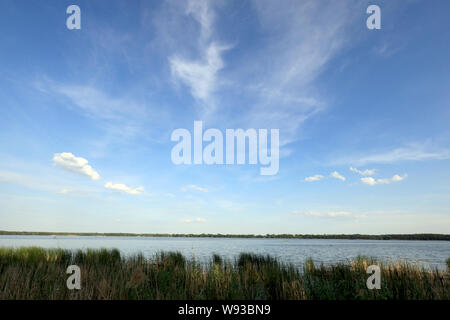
(36, 273)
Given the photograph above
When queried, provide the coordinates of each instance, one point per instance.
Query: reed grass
(36, 273)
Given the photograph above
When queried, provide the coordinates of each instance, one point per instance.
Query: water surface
(430, 254)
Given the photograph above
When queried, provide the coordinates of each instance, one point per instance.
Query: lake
(429, 254)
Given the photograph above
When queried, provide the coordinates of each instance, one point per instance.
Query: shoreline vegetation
(36, 273)
(420, 236)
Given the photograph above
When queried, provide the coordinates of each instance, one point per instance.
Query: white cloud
(69, 162)
(336, 175)
(200, 76)
(194, 220)
(124, 188)
(367, 172)
(204, 15)
(276, 78)
(316, 177)
(193, 187)
(371, 181)
(396, 178)
(329, 214)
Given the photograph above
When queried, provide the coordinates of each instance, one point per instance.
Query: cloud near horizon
(329, 214)
(194, 220)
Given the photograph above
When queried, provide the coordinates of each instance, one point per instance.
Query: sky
(87, 116)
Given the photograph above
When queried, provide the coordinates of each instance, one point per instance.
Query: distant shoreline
(421, 236)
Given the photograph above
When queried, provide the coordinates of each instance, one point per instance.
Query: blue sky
(87, 115)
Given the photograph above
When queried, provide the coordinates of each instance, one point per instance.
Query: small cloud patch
(337, 175)
(367, 172)
(316, 177)
(193, 187)
(371, 181)
(124, 188)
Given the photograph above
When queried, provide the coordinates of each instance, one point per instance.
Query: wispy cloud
(194, 220)
(65, 191)
(27, 180)
(233, 206)
(193, 187)
(276, 78)
(386, 49)
(200, 75)
(98, 104)
(69, 162)
(316, 177)
(304, 37)
(203, 14)
(118, 114)
(329, 214)
(367, 172)
(124, 188)
(371, 181)
(413, 152)
(337, 175)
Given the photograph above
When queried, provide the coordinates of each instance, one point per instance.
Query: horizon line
(391, 236)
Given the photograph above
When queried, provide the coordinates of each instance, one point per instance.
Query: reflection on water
(430, 254)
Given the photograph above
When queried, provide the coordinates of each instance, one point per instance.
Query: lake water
(430, 254)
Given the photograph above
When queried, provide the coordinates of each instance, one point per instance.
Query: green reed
(36, 273)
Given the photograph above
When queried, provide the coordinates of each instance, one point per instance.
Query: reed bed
(36, 273)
